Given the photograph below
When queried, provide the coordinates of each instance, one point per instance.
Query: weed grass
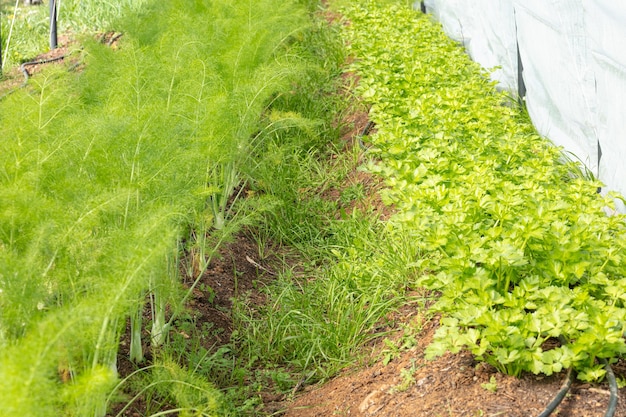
(319, 315)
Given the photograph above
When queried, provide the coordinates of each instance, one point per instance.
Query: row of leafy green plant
(529, 267)
(107, 176)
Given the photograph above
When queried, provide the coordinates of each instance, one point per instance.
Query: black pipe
(366, 131)
(38, 62)
(599, 190)
(53, 24)
(610, 376)
(559, 395)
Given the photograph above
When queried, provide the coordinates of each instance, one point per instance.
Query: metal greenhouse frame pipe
(53, 24)
(0, 43)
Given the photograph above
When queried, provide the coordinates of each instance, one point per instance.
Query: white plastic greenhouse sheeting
(489, 37)
(573, 55)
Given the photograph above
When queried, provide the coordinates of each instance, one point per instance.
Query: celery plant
(515, 239)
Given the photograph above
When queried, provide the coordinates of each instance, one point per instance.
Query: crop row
(108, 175)
(510, 232)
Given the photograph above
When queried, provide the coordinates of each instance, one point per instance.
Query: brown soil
(364, 186)
(453, 385)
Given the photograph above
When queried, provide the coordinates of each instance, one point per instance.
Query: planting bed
(453, 385)
(355, 323)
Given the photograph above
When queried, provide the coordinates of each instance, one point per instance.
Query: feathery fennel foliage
(104, 173)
